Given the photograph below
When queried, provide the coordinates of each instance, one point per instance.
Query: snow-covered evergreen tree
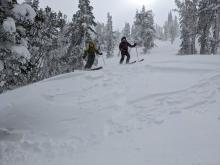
(204, 26)
(166, 30)
(35, 5)
(109, 36)
(209, 26)
(100, 35)
(150, 31)
(82, 29)
(50, 36)
(176, 26)
(14, 54)
(117, 37)
(188, 24)
(137, 28)
(36, 42)
(159, 32)
(171, 28)
(216, 26)
(127, 31)
(87, 18)
(144, 29)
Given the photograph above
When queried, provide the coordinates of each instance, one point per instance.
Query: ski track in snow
(149, 109)
(117, 100)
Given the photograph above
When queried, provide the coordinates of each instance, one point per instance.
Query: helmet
(123, 38)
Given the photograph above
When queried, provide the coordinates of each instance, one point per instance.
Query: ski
(141, 60)
(98, 68)
(132, 62)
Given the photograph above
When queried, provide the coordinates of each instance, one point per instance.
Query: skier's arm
(97, 51)
(131, 46)
(120, 46)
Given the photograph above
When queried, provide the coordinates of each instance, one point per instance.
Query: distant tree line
(169, 31)
(142, 31)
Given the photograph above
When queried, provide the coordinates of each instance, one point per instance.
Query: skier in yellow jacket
(90, 52)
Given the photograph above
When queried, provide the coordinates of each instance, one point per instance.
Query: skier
(124, 49)
(90, 52)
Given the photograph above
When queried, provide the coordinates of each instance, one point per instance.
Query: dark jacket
(123, 46)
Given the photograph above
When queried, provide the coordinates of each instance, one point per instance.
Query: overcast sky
(121, 10)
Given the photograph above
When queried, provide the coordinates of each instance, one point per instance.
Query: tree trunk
(216, 32)
(193, 45)
(204, 41)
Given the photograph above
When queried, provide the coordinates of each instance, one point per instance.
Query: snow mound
(24, 12)
(21, 51)
(9, 25)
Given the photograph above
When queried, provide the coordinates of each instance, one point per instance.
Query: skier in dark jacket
(124, 49)
(90, 52)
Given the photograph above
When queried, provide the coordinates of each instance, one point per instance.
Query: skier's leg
(90, 61)
(87, 63)
(128, 58)
(122, 58)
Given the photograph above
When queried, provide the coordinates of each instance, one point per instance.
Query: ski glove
(84, 56)
(135, 44)
(100, 53)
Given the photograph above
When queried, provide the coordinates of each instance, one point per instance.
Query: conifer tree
(127, 31)
(82, 29)
(171, 28)
(188, 24)
(216, 26)
(14, 53)
(109, 36)
(144, 29)
(100, 35)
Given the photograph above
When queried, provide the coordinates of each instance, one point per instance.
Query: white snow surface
(162, 111)
(24, 12)
(9, 25)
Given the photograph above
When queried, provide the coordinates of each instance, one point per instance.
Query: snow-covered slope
(163, 111)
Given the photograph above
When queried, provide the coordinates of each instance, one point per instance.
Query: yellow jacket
(91, 49)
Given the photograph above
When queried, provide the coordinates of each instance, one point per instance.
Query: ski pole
(103, 59)
(137, 54)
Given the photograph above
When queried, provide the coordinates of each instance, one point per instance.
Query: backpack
(90, 48)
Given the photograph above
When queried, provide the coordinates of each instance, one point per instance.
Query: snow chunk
(21, 30)
(24, 42)
(9, 25)
(24, 12)
(21, 51)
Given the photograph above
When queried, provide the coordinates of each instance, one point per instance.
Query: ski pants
(123, 56)
(90, 61)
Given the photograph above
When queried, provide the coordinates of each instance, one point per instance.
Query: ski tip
(132, 62)
(98, 68)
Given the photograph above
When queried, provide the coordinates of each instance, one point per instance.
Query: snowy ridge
(164, 110)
